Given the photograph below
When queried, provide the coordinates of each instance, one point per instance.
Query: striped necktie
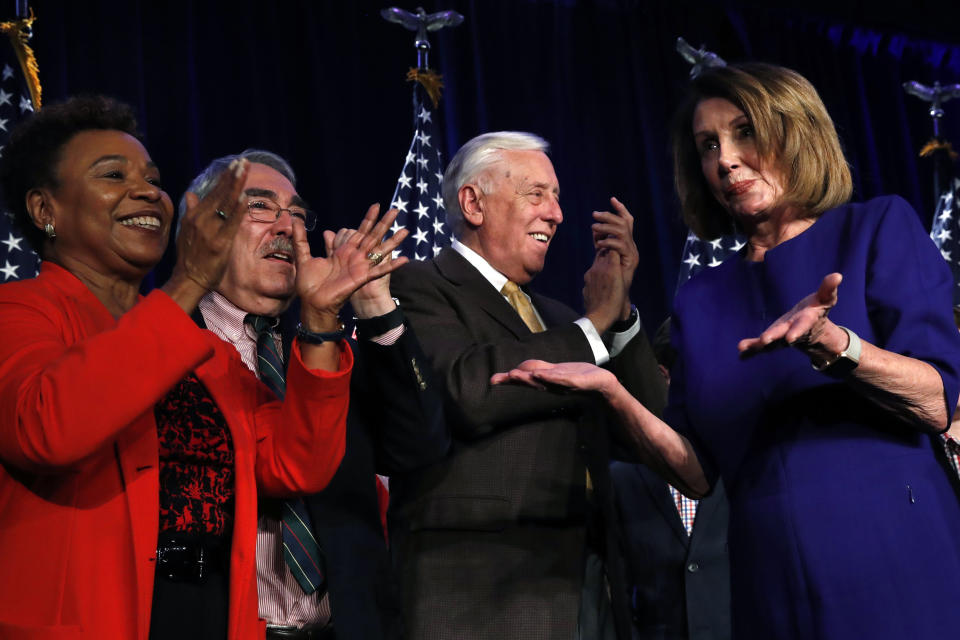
(300, 548)
(518, 300)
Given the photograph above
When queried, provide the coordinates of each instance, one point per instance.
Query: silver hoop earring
(48, 229)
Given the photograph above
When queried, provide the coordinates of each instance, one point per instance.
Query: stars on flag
(16, 256)
(945, 233)
(693, 260)
(12, 242)
(399, 204)
(421, 212)
(9, 270)
(703, 254)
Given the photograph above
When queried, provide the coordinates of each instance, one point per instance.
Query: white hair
(474, 159)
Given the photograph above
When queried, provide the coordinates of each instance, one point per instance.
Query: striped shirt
(952, 447)
(282, 602)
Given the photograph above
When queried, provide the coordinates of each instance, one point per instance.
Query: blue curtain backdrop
(322, 83)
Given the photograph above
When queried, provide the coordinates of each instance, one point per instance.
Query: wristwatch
(844, 362)
(620, 326)
(310, 337)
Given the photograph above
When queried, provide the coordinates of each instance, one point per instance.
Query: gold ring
(375, 257)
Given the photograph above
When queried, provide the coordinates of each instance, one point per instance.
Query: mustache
(279, 243)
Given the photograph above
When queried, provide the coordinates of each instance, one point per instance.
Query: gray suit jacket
(491, 540)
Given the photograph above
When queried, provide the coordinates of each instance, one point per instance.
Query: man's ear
(39, 207)
(471, 204)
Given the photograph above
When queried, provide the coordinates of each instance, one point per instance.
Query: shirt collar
(230, 318)
(951, 440)
(492, 276)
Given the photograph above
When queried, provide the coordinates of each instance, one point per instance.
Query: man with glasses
(323, 557)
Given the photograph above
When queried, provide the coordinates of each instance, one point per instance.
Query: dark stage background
(322, 83)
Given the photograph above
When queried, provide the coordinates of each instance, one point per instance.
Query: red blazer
(79, 488)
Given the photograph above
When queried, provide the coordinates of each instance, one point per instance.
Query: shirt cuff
(384, 330)
(600, 354)
(619, 340)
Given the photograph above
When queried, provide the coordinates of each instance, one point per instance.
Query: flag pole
(418, 195)
(939, 149)
(422, 22)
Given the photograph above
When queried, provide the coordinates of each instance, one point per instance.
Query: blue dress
(842, 522)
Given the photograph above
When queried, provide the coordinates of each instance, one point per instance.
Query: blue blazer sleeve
(909, 292)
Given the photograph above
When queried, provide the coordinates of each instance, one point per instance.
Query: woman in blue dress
(843, 522)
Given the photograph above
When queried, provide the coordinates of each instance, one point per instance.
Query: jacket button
(693, 567)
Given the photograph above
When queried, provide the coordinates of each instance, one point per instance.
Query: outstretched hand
(325, 284)
(801, 326)
(578, 376)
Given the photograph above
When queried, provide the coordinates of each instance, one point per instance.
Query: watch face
(842, 366)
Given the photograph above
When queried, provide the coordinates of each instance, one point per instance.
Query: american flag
(700, 254)
(946, 231)
(417, 196)
(17, 258)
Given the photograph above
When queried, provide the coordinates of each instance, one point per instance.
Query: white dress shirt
(601, 355)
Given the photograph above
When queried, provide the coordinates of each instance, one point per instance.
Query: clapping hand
(372, 299)
(206, 234)
(613, 231)
(603, 291)
(325, 284)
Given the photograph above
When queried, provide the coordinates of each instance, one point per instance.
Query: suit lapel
(552, 312)
(664, 501)
(460, 272)
(706, 509)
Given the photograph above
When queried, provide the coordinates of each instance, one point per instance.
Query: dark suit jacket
(679, 584)
(395, 423)
(491, 540)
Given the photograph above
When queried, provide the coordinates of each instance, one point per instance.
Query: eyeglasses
(266, 210)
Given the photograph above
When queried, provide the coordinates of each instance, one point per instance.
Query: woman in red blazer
(133, 443)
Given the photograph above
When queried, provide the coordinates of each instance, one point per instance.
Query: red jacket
(79, 489)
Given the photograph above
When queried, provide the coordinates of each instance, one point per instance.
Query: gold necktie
(518, 300)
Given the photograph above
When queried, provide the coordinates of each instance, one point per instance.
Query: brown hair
(792, 129)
